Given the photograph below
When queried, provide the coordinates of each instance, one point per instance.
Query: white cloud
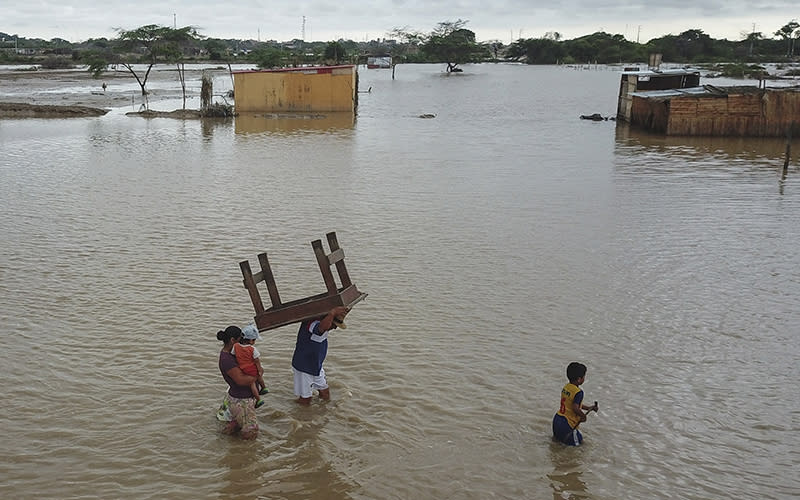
(325, 20)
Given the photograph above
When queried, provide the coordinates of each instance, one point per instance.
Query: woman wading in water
(239, 406)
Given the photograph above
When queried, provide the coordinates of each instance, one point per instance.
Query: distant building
(379, 62)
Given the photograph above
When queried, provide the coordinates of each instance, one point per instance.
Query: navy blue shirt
(310, 349)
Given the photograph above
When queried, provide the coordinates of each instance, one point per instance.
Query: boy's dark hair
(575, 371)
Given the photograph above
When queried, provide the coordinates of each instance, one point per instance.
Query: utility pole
(303, 32)
(174, 21)
(638, 32)
(752, 36)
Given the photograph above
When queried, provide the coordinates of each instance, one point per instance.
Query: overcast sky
(504, 20)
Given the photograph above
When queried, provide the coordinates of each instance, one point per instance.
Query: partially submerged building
(641, 81)
(737, 111)
(316, 89)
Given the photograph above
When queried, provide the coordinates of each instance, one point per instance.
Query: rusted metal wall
(318, 89)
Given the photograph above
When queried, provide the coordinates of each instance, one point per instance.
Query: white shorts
(304, 382)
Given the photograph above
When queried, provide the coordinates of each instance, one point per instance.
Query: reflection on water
(250, 123)
(632, 141)
(566, 477)
(260, 468)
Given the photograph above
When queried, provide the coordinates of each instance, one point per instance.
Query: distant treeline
(691, 46)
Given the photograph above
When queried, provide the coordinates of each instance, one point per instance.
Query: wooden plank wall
(766, 113)
(651, 114)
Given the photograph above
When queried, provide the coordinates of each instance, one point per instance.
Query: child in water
(249, 360)
(570, 413)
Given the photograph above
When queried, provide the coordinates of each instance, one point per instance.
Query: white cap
(250, 332)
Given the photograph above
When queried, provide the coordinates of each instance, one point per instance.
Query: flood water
(498, 241)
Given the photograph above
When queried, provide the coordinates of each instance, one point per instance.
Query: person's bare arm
(578, 409)
(326, 323)
(240, 377)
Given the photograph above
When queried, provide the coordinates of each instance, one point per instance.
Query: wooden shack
(740, 111)
(639, 81)
(317, 89)
(284, 313)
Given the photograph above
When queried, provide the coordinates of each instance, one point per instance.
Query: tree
(537, 50)
(788, 33)
(215, 48)
(96, 62)
(408, 50)
(451, 43)
(494, 47)
(152, 44)
(268, 57)
(335, 52)
(751, 40)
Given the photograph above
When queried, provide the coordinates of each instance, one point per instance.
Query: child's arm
(578, 409)
(257, 361)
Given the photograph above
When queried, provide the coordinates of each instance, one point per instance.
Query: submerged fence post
(788, 147)
(788, 155)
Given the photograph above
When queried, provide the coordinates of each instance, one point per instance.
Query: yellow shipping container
(307, 90)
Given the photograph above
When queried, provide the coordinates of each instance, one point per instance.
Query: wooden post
(788, 155)
(788, 147)
(337, 257)
(324, 267)
(269, 279)
(250, 284)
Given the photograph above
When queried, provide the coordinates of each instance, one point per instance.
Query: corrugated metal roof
(302, 69)
(710, 91)
(647, 94)
(666, 72)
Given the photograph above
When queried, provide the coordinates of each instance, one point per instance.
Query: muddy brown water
(498, 241)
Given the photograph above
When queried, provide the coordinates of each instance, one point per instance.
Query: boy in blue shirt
(309, 353)
(570, 413)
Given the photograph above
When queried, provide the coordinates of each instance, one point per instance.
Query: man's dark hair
(575, 371)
